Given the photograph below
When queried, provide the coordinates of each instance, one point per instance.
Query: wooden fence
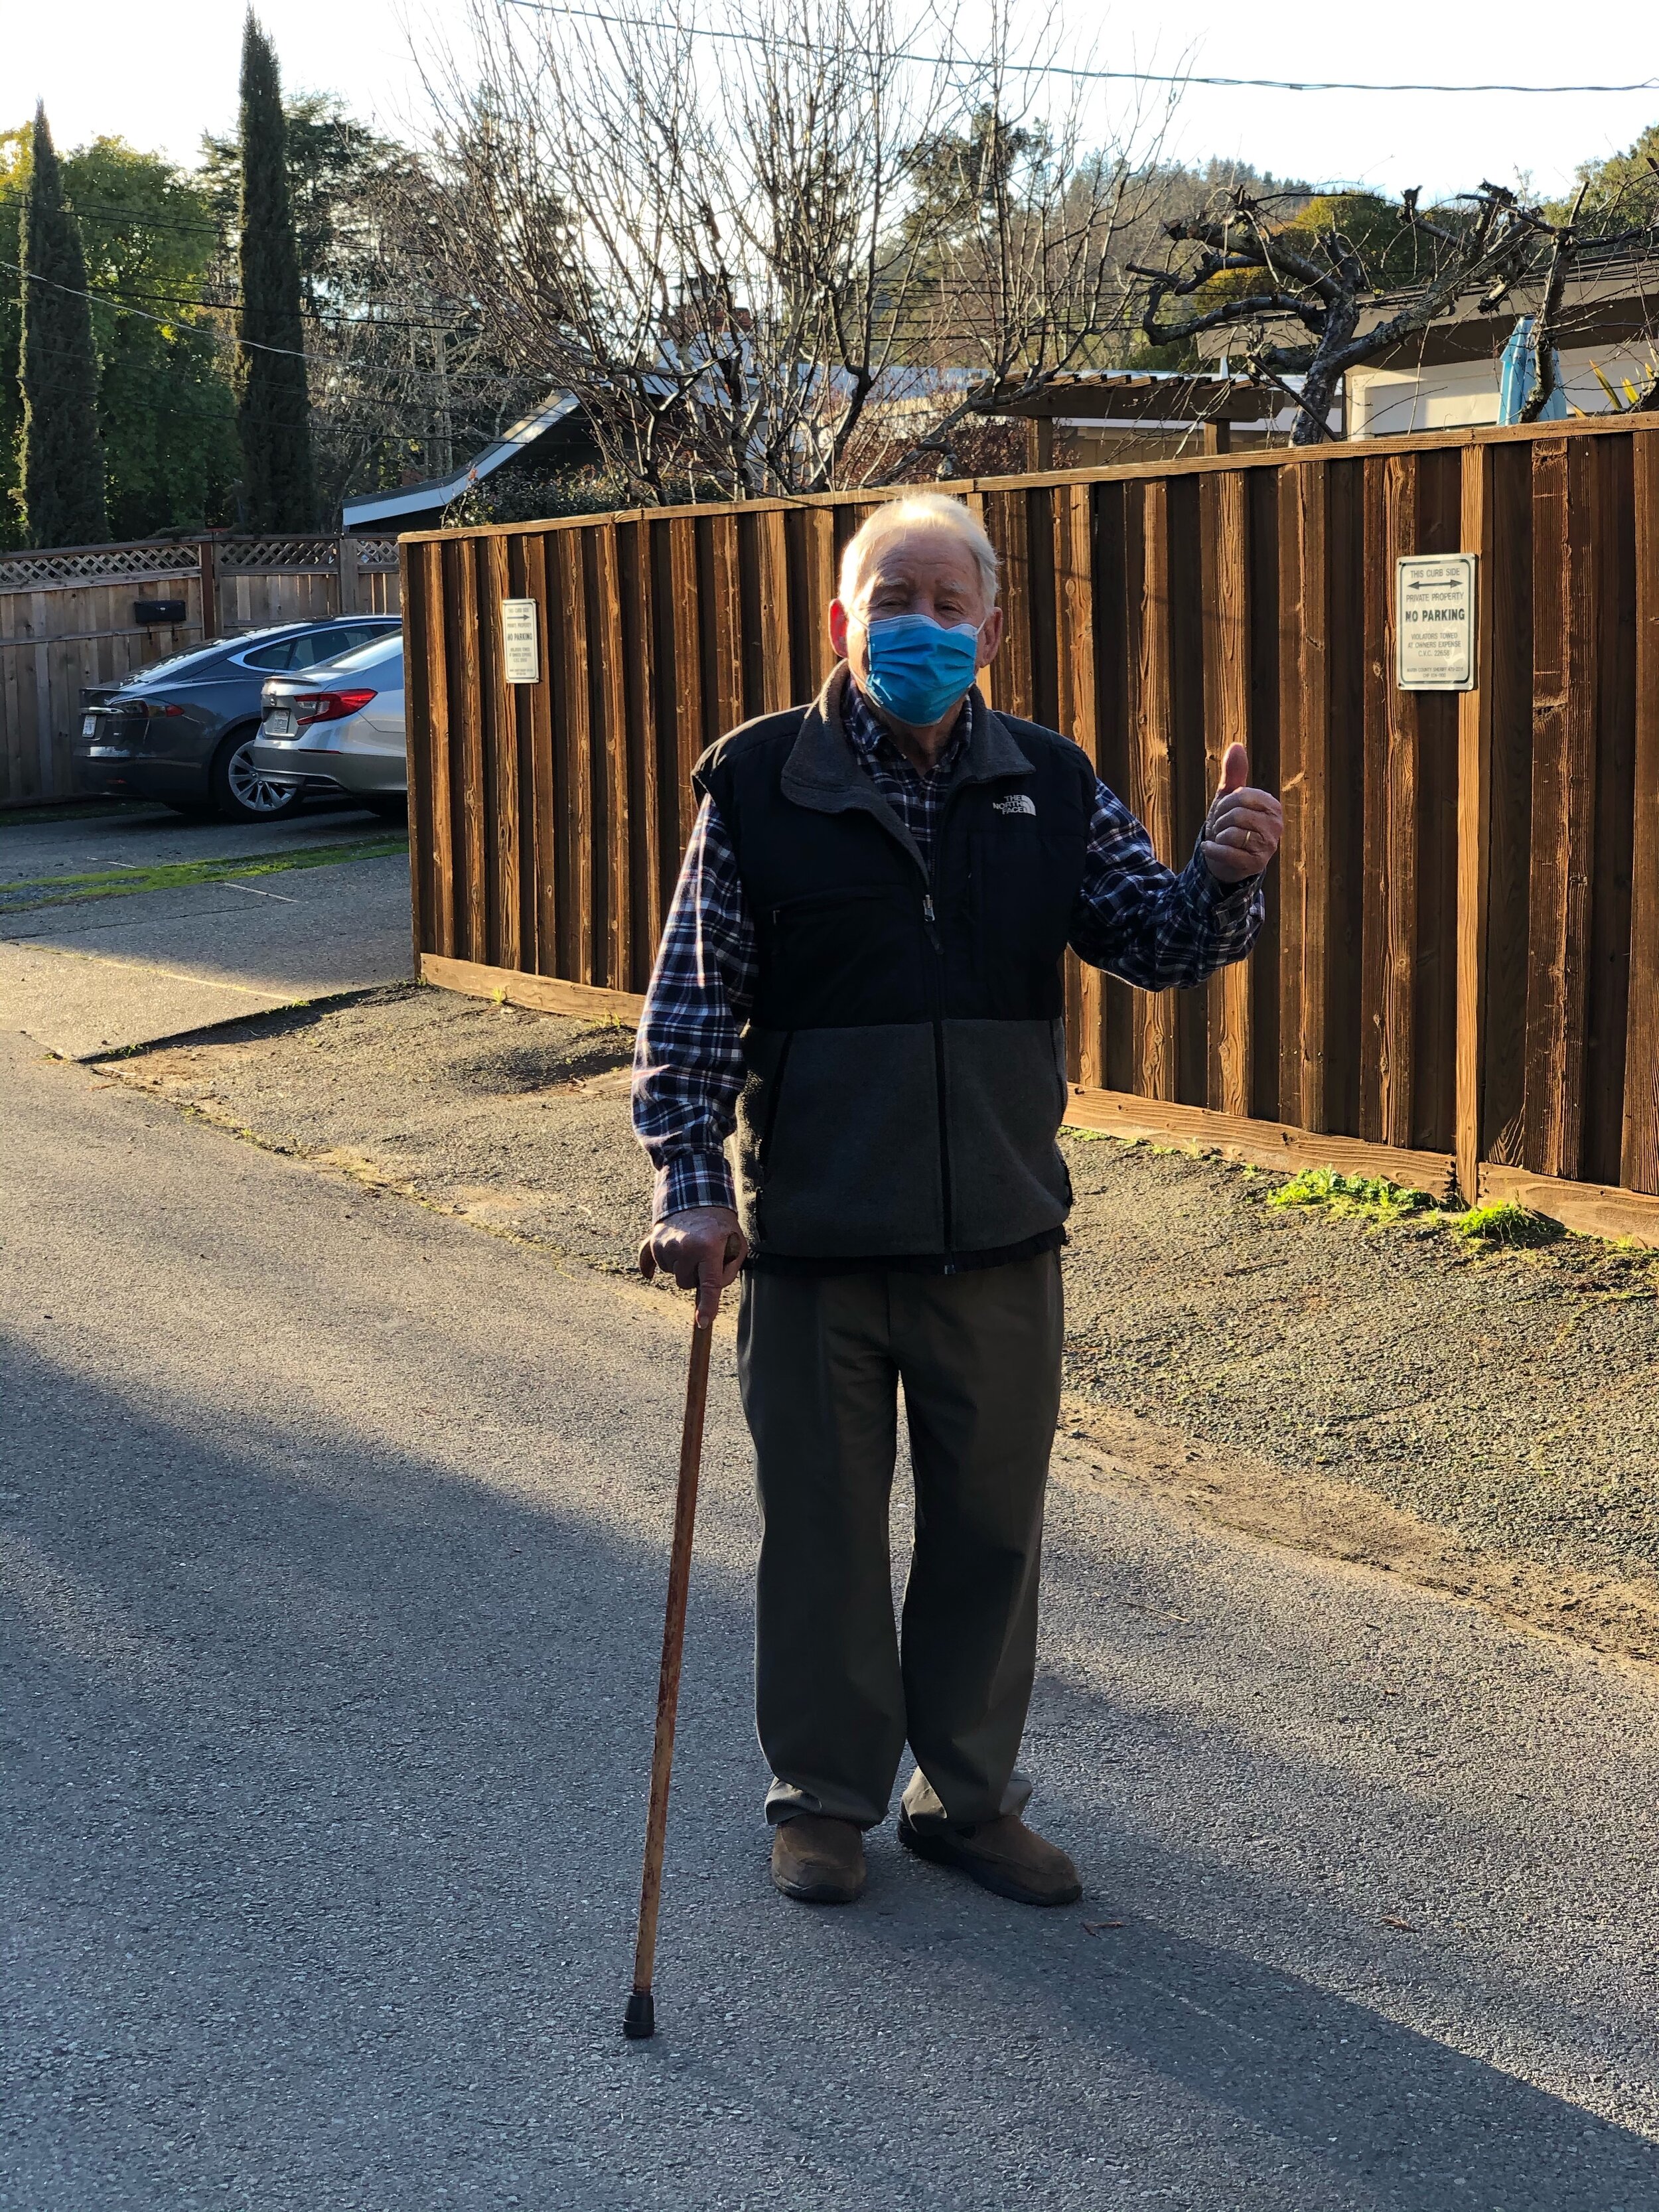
(1459, 980)
(68, 618)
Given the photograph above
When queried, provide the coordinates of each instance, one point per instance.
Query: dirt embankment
(1486, 1422)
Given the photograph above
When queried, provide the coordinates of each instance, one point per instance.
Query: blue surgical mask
(919, 669)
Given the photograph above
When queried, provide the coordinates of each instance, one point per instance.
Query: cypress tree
(63, 456)
(272, 415)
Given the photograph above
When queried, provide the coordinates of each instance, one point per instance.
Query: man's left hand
(1243, 831)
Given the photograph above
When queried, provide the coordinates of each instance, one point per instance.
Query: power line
(409, 412)
(1058, 68)
(123, 296)
(118, 214)
(126, 294)
(105, 299)
(335, 361)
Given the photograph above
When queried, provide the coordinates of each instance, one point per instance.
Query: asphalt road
(333, 1542)
(89, 976)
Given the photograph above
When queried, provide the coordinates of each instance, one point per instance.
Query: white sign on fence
(521, 649)
(1434, 622)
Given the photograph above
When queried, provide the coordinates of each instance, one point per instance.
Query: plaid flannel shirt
(1135, 918)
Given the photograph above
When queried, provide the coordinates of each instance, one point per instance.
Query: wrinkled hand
(702, 1248)
(1243, 831)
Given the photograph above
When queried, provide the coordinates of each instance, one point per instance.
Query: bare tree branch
(1541, 340)
(775, 264)
(1327, 287)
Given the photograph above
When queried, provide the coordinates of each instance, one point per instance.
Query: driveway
(120, 928)
(333, 1546)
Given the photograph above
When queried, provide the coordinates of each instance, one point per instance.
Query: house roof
(1608, 299)
(383, 507)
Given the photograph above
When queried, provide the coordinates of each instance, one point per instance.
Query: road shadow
(327, 1794)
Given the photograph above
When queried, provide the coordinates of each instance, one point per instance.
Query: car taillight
(327, 706)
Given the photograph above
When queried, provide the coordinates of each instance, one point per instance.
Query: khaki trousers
(838, 1690)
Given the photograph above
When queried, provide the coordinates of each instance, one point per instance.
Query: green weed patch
(1475, 1232)
(1502, 1224)
(1506, 1222)
(180, 875)
(1350, 1197)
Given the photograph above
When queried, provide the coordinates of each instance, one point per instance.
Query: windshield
(175, 661)
(379, 654)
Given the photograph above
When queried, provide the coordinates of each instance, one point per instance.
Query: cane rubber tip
(640, 2020)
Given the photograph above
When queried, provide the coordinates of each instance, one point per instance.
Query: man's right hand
(702, 1248)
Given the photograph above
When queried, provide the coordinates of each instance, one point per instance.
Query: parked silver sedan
(339, 729)
(180, 731)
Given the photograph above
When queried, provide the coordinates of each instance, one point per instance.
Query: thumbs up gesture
(1244, 827)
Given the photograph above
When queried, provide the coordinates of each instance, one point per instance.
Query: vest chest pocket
(842, 958)
(1023, 891)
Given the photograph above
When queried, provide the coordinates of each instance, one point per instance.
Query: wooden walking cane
(640, 2019)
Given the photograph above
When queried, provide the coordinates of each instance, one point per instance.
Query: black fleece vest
(906, 1052)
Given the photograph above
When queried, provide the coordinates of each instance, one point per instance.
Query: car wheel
(241, 792)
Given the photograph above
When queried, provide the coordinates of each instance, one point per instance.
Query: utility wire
(122, 213)
(335, 361)
(123, 297)
(1059, 69)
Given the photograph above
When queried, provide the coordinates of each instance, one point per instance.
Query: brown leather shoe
(1003, 1854)
(817, 1859)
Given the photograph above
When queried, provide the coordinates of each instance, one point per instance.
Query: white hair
(924, 510)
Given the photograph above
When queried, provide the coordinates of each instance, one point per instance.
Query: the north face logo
(1020, 804)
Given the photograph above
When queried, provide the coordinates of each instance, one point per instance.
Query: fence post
(1152, 754)
(1226, 629)
(207, 557)
(45, 766)
(1474, 822)
(1639, 1151)
(1073, 523)
(1304, 786)
(417, 728)
(345, 569)
(1566, 579)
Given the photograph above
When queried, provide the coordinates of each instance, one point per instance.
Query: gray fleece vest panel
(906, 1051)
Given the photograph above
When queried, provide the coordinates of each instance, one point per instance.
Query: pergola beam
(1113, 398)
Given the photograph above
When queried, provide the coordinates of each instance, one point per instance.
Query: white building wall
(1388, 402)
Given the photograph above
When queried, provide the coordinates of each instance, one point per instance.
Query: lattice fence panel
(102, 564)
(249, 553)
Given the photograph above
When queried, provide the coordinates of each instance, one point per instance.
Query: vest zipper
(930, 922)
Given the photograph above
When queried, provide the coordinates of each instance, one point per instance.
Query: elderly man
(862, 977)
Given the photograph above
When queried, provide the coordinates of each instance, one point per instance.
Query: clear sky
(160, 76)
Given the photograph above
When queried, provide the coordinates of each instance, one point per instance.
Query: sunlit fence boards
(1460, 976)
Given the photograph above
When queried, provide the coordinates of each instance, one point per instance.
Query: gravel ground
(1507, 1401)
(332, 1539)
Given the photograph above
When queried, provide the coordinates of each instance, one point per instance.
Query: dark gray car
(180, 732)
